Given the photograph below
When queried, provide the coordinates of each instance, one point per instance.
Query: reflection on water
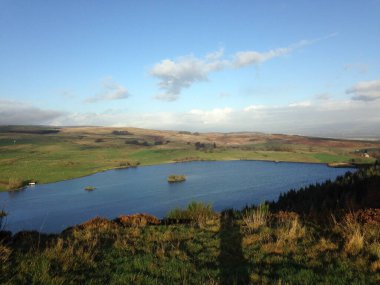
(228, 184)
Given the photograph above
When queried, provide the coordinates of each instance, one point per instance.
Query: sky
(295, 67)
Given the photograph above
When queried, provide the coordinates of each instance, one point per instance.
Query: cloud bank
(18, 113)
(365, 91)
(334, 118)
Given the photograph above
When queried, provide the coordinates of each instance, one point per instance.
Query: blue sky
(272, 66)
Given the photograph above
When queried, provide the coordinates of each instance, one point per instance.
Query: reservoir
(225, 184)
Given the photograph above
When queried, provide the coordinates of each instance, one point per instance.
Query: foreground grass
(227, 248)
(70, 153)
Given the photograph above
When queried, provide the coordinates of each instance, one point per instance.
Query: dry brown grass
(137, 220)
(5, 253)
(97, 223)
(326, 245)
(287, 234)
(355, 242)
(70, 256)
(353, 234)
(256, 218)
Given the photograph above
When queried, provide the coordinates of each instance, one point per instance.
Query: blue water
(225, 184)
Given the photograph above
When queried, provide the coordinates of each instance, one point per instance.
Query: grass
(282, 250)
(74, 153)
(330, 158)
(196, 212)
(255, 218)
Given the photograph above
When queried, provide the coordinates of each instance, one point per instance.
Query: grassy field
(30, 153)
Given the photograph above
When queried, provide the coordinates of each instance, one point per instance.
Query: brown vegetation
(365, 216)
(137, 220)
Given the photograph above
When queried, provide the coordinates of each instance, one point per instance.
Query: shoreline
(331, 165)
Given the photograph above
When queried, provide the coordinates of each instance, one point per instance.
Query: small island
(89, 188)
(176, 178)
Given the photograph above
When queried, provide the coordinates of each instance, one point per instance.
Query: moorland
(321, 234)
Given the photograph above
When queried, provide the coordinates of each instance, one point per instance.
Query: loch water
(225, 184)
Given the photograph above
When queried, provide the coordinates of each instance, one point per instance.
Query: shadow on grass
(233, 265)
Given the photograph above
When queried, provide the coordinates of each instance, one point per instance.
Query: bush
(196, 212)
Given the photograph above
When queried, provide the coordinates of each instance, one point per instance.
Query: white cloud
(17, 113)
(245, 58)
(111, 91)
(214, 116)
(253, 108)
(300, 104)
(176, 75)
(365, 90)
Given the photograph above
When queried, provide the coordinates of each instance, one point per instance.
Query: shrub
(196, 212)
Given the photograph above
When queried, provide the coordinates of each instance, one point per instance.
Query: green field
(69, 154)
